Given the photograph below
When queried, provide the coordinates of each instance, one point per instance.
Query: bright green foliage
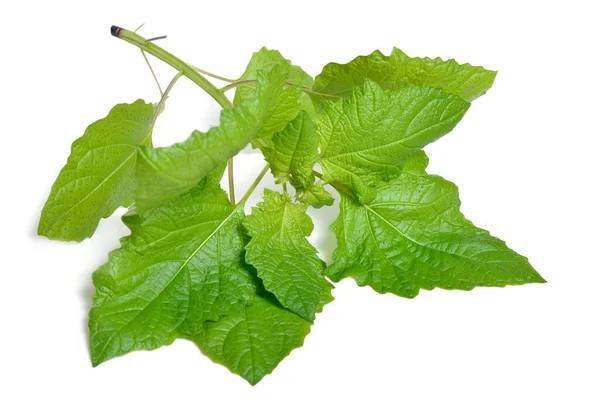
(316, 196)
(398, 69)
(291, 101)
(99, 175)
(266, 59)
(413, 236)
(285, 261)
(181, 273)
(366, 138)
(247, 289)
(252, 342)
(294, 152)
(182, 265)
(165, 173)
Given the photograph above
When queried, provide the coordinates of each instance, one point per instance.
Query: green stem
(207, 73)
(159, 107)
(186, 70)
(252, 187)
(250, 82)
(230, 178)
(153, 74)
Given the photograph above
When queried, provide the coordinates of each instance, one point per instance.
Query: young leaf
(253, 341)
(413, 236)
(290, 101)
(165, 173)
(316, 196)
(285, 261)
(265, 59)
(398, 69)
(181, 267)
(366, 137)
(294, 152)
(99, 175)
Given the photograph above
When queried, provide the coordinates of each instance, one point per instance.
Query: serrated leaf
(265, 59)
(316, 196)
(165, 173)
(285, 261)
(287, 104)
(398, 69)
(182, 267)
(254, 340)
(413, 236)
(99, 175)
(367, 137)
(294, 152)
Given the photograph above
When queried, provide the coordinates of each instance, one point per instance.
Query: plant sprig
(247, 288)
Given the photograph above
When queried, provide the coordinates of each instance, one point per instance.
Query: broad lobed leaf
(181, 273)
(285, 261)
(413, 236)
(398, 69)
(99, 175)
(366, 138)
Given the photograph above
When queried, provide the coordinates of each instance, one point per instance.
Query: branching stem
(185, 70)
(252, 187)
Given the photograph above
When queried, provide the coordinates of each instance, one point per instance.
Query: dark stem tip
(115, 31)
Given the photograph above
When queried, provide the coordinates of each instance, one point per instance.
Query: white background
(525, 158)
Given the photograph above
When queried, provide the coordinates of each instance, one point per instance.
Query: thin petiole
(164, 97)
(153, 74)
(250, 82)
(252, 187)
(212, 75)
(230, 178)
(169, 58)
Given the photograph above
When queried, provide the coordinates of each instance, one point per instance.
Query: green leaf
(253, 341)
(294, 152)
(165, 173)
(316, 196)
(289, 103)
(367, 137)
(285, 261)
(265, 59)
(99, 175)
(398, 69)
(413, 236)
(181, 268)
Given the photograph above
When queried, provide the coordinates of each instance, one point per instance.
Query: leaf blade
(464, 80)
(285, 261)
(99, 174)
(366, 138)
(413, 236)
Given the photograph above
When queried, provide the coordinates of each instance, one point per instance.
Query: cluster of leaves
(246, 288)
